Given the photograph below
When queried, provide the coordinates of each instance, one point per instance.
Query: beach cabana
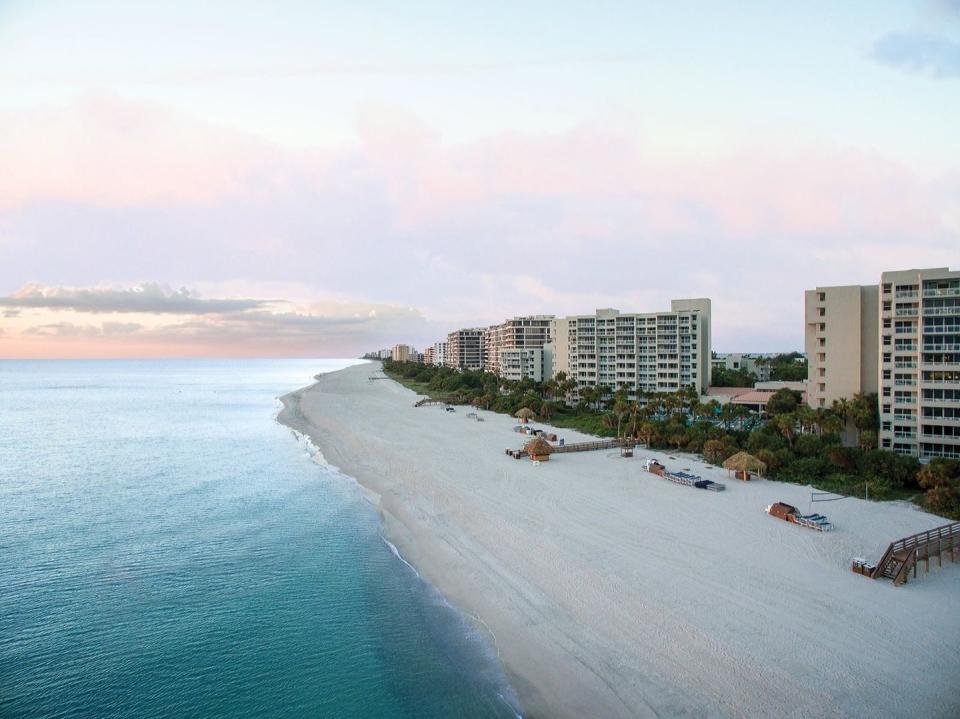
(539, 450)
(742, 465)
(525, 414)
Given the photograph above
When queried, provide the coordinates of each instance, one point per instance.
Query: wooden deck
(427, 401)
(590, 446)
(905, 554)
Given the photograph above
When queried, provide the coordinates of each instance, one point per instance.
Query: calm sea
(168, 550)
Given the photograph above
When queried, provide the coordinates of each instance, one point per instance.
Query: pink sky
(375, 202)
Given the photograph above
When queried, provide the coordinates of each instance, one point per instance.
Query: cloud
(257, 328)
(149, 298)
(468, 233)
(919, 52)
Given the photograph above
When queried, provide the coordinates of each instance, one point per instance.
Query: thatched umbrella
(539, 449)
(524, 414)
(743, 463)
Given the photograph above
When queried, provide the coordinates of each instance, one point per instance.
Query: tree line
(798, 443)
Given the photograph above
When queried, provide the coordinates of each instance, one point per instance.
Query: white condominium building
(901, 339)
(465, 349)
(518, 333)
(439, 354)
(517, 363)
(643, 353)
(920, 362)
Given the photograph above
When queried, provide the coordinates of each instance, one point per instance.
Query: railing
(904, 435)
(904, 419)
(904, 365)
(946, 454)
(915, 540)
(906, 295)
(942, 348)
(939, 311)
(944, 292)
(908, 312)
(905, 383)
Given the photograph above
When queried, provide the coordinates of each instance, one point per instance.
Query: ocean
(167, 549)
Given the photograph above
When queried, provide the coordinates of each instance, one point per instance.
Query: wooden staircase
(905, 554)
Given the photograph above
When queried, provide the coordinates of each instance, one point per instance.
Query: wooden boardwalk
(427, 401)
(590, 446)
(905, 554)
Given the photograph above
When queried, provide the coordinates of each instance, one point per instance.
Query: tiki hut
(742, 465)
(524, 414)
(539, 450)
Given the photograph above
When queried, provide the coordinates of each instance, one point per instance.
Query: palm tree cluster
(797, 443)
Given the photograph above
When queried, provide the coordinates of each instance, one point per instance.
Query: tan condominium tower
(513, 349)
(639, 352)
(465, 349)
(908, 341)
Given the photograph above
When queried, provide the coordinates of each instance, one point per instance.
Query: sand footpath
(609, 592)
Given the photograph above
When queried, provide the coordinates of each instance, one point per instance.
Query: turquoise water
(168, 550)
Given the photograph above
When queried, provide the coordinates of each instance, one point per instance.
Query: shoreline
(601, 588)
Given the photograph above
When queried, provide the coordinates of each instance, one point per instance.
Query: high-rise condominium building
(841, 340)
(465, 349)
(913, 326)
(642, 353)
(439, 354)
(531, 332)
(403, 353)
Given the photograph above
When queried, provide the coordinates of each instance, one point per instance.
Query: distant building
(439, 353)
(531, 332)
(465, 349)
(385, 354)
(403, 353)
(428, 354)
(751, 363)
(642, 353)
(901, 339)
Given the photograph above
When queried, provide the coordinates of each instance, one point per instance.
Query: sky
(324, 178)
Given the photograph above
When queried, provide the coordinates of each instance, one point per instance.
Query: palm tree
(645, 432)
(620, 410)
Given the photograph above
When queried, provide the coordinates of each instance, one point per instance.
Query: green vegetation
(791, 367)
(798, 444)
(722, 377)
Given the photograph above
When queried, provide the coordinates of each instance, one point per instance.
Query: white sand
(610, 592)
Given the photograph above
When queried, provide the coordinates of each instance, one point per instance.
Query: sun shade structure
(539, 449)
(525, 414)
(743, 464)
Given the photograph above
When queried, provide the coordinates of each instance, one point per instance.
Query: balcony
(942, 348)
(945, 292)
(940, 311)
(905, 383)
(908, 312)
(905, 365)
(941, 420)
(946, 453)
(904, 419)
(904, 400)
(906, 294)
(904, 435)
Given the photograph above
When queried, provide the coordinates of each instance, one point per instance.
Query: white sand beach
(609, 592)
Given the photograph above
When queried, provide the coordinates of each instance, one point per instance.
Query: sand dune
(609, 592)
